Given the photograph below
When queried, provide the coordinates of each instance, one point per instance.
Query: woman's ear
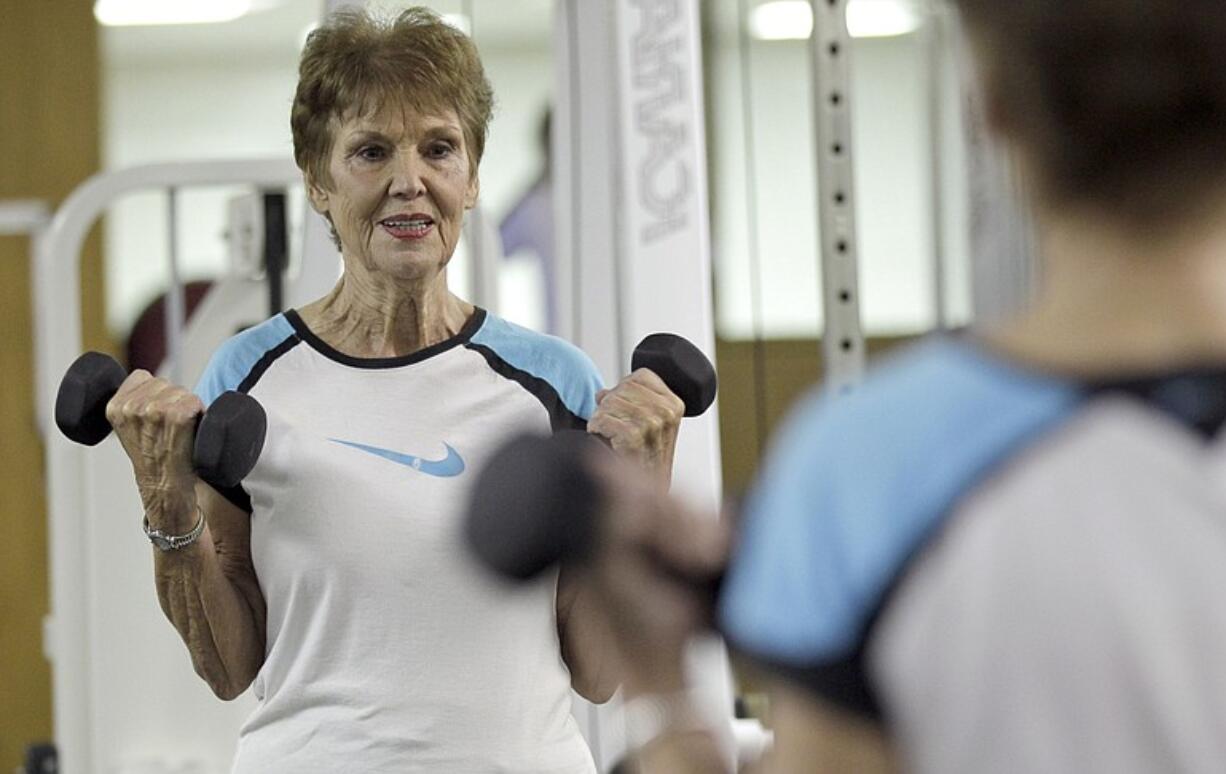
(474, 190)
(317, 195)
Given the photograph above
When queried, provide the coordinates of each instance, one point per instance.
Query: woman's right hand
(156, 424)
(208, 590)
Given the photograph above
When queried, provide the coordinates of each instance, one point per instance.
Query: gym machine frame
(69, 628)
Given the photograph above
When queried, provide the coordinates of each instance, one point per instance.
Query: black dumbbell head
(533, 505)
(682, 366)
(229, 439)
(80, 405)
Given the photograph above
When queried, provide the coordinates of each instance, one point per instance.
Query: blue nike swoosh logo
(451, 465)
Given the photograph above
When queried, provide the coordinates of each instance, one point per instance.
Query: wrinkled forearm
(209, 593)
(215, 619)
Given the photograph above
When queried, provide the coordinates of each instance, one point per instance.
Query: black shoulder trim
(269, 358)
(1195, 397)
(560, 417)
(843, 683)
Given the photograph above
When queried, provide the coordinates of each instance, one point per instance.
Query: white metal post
(632, 224)
(934, 40)
(176, 299)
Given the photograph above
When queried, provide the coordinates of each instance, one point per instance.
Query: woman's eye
(371, 153)
(440, 149)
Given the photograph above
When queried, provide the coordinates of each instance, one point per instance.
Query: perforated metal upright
(843, 337)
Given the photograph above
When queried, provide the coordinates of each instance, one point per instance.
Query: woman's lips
(408, 228)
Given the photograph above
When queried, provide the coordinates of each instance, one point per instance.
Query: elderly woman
(334, 581)
(1005, 551)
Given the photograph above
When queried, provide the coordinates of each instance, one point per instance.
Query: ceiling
(275, 29)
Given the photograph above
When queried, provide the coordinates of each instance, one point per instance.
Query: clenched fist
(156, 424)
(640, 418)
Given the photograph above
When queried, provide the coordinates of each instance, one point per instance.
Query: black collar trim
(322, 347)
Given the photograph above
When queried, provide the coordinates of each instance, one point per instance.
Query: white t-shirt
(388, 648)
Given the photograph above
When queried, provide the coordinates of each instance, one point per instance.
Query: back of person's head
(1114, 105)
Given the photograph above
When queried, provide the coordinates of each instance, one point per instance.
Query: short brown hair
(354, 62)
(1117, 104)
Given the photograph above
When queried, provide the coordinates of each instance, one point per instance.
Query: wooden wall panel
(758, 383)
(49, 144)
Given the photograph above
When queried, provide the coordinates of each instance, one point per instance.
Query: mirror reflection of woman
(333, 581)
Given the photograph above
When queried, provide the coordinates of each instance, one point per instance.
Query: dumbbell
(535, 503)
(681, 366)
(229, 436)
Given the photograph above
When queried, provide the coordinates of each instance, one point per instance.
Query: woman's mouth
(407, 227)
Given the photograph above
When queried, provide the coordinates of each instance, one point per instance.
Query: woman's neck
(1112, 302)
(365, 318)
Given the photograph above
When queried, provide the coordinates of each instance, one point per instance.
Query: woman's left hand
(640, 418)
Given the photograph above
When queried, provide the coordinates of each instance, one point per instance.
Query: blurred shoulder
(936, 390)
(855, 483)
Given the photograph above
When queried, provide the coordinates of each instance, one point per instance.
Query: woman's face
(401, 181)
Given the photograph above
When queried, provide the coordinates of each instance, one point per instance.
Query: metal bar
(20, 217)
(275, 248)
(175, 302)
(565, 149)
(843, 338)
(933, 42)
(751, 220)
(484, 260)
(621, 154)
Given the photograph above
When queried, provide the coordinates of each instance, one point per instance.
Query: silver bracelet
(174, 542)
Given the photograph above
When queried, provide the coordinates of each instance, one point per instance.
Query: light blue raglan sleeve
(239, 357)
(579, 388)
(547, 366)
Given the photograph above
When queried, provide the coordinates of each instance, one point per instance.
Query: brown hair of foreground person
(1116, 105)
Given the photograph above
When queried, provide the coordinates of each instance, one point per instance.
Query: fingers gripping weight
(229, 437)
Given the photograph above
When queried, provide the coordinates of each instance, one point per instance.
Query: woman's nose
(406, 182)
